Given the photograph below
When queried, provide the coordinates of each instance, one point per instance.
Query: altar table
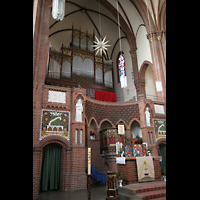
(130, 169)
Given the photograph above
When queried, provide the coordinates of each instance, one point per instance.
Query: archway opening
(105, 125)
(149, 84)
(135, 130)
(51, 167)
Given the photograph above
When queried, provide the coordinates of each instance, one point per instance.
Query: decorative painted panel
(160, 128)
(55, 122)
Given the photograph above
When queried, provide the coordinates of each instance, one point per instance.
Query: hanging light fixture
(58, 9)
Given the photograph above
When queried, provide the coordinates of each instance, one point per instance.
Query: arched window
(122, 70)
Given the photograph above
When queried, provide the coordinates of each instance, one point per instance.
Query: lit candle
(89, 160)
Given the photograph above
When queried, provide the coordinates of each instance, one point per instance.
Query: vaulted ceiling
(100, 16)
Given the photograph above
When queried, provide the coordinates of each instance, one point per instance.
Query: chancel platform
(129, 169)
(139, 191)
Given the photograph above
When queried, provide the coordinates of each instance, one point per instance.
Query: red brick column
(40, 50)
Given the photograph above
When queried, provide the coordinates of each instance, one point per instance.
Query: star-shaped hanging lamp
(100, 45)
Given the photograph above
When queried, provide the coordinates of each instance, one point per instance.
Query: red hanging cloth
(105, 96)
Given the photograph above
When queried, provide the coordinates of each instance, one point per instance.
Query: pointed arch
(103, 120)
(80, 95)
(134, 119)
(142, 10)
(121, 121)
(94, 121)
(150, 108)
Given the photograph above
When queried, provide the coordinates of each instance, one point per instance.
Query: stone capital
(150, 36)
(159, 34)
(132, 52)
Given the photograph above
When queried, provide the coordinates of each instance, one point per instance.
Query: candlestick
(89, 160)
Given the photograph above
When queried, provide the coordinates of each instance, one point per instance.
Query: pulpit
(108, 139)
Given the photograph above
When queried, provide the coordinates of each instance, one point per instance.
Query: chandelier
(58, 9)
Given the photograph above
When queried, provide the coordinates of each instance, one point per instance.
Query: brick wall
(130, 170)
(74, 156)
(112, 111)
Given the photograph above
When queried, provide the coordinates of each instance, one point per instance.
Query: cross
(145, 168)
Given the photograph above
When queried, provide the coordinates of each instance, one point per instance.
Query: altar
(129, 169)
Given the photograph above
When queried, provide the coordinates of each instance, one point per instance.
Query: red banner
(105, 96)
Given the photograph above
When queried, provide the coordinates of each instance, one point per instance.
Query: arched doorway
(51, 166)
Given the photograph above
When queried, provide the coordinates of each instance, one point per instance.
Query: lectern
(111, 186)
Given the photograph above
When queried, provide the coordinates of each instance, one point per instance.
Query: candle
(117, 148)
(89, 160)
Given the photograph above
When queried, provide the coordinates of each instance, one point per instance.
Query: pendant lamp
(58, 9)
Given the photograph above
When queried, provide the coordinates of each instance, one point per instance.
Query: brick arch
(80, 95)
(99, 126)
(94, 121)
(123, 122)
(143, 69)
(134, 119)
(160, 141)
(54, 139)
(142, 10)
(148, 105)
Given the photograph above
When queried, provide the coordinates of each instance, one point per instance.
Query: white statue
(79, 110)
(147, 113)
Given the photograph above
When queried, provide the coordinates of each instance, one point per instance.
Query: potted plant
(92, 135)
(120, 177)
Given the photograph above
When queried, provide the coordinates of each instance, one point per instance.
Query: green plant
(120, 151)
(163, 172)
(138, 140)
(149, 149)
(92, 133)
(120, 176)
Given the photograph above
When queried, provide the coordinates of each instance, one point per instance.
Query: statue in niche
(79, 110)
(147, 113)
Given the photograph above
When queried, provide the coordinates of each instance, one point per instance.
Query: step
(150, 188)
(136, 189)
(126, 196)
(152, 194)
(161, 198)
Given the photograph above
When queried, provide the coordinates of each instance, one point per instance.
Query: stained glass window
(122, 70)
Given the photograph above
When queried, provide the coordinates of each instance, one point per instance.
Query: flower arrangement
(92, 133)
(120, 176)
(149, 150)
(138, 140)
(163, 172)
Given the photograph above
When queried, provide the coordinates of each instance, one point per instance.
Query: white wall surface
(143, 48)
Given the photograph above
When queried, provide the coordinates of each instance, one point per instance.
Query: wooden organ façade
(77, 65)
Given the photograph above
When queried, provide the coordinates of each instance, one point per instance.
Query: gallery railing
(141, 96)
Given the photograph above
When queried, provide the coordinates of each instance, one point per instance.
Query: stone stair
(143, 191)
